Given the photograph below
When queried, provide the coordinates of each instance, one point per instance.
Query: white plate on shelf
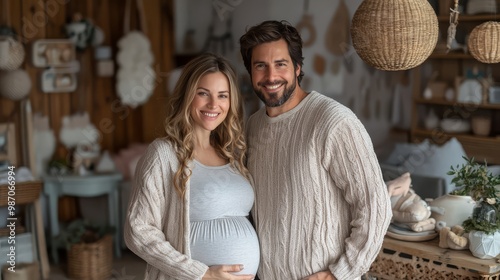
(405, 234)
(404, 237)
(405, 231)
(470, 91)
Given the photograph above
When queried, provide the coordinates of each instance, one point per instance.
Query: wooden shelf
(472, 18)
(449, 66)
(457, 104)
(451, 55)
(468, 136)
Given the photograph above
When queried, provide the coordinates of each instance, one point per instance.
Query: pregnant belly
(230, 240)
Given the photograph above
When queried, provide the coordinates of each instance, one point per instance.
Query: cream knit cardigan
(157, 224)
(321, 202)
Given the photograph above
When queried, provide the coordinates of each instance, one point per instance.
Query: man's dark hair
(270, 31)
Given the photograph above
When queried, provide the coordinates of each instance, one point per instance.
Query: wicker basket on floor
(23, 192)
(91, 261)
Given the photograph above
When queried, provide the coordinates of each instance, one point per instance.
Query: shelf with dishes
(473, 92)
(455, 95)
(443, 102)
(476, 125)
(456, 119)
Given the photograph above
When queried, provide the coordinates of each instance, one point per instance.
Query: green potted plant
(90, 249)
(474, 179)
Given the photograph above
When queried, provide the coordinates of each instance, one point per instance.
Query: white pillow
(494, 170)
(438, 161)
(402, 151)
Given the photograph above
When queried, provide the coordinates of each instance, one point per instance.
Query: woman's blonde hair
(227, 139)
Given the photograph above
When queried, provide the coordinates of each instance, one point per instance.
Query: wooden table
(83, 186)
(426, 260)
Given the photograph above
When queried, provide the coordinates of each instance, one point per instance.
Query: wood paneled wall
(119, 125)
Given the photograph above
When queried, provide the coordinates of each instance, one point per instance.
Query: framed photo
(8, 143)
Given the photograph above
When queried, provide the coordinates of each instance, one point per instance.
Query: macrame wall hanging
(394, 35)
(306, 27)
(452, 29)
(136, 77)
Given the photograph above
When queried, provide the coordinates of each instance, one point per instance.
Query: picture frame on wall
(8, 144)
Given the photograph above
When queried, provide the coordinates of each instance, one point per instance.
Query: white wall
(368, 92)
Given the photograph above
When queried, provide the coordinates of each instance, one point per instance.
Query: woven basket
(484, 42)
(92, 261)
(24, 193)
(11, 54)
(394, 34)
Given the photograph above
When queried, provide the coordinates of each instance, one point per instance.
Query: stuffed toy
(399, 186)
(454, 238)
(408, 209)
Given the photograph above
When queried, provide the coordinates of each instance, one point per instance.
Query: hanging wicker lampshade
(484, 42)
(394, 34)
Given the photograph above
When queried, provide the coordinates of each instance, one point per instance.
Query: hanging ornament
(15, 85)
(452, 29)
(136, 78)
(484, 42)
(11, 50)
(11, 53)
(394, 34)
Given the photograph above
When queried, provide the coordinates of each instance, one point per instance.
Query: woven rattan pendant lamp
(484, 42)
(394, 35)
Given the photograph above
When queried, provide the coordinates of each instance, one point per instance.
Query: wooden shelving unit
(449, 66)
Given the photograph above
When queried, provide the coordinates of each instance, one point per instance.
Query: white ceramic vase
(450, 210)
(484, 246)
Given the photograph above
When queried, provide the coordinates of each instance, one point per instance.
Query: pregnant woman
(187, 215)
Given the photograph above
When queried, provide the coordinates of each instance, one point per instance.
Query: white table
(83, 186)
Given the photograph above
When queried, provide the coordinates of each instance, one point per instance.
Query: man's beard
(273, 100)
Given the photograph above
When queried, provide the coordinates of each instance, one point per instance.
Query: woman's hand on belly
(322, 275)
(225, 272)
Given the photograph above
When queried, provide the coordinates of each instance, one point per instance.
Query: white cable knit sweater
(157, 224)
(321, 202)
